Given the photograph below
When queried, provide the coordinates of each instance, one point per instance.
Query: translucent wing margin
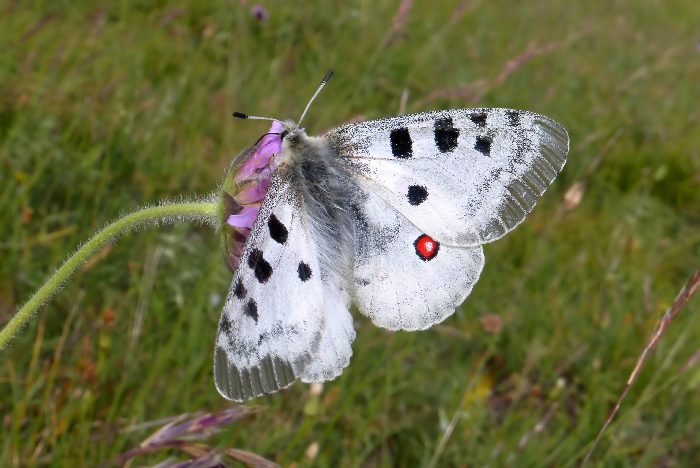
(465, 176)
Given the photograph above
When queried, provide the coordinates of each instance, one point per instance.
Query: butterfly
(389, 215)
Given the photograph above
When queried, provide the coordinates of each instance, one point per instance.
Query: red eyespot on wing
(426, 247)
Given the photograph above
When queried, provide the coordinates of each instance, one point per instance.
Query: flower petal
(245, 218)
(269, 145)
(252, 193)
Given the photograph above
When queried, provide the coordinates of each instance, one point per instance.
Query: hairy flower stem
(170, 213)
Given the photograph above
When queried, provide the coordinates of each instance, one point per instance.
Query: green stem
(162, 214)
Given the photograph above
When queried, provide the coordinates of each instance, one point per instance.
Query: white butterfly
(389, 215)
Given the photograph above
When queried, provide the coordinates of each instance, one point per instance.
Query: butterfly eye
(284, 134)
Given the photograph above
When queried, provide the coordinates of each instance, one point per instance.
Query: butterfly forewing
(464, 177)
(272, 322)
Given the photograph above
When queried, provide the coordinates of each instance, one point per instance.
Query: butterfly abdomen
(327, 192)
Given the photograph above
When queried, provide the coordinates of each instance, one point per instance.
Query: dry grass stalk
(690, 288)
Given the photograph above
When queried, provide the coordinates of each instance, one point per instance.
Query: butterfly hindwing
(273, 319)
(334, 350)
(404, 280)
(464, 176)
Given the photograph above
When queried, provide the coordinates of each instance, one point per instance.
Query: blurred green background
(105, 108)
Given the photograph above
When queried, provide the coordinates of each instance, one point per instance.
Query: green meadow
(109, 106)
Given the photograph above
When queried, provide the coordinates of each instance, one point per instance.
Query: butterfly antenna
(241, 115)
(320, 87)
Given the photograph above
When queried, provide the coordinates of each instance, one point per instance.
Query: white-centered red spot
(426, 247)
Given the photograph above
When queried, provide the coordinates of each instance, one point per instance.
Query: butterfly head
(291, 132)
(294, 141)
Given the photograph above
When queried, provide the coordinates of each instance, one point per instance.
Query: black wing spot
(225, 326)
(251, 310)
(254, 257)
(278, 231)
(240, 291)
(483, 145)
(445, 135)
(401, 143)
(513, 118)
(261, 267)
(304, 271)
(479, 119)
(416, 194)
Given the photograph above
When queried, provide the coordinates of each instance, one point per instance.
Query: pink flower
(259, 12)
(244, 219)
(244, 191)
(269, 145)
(253, 192)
